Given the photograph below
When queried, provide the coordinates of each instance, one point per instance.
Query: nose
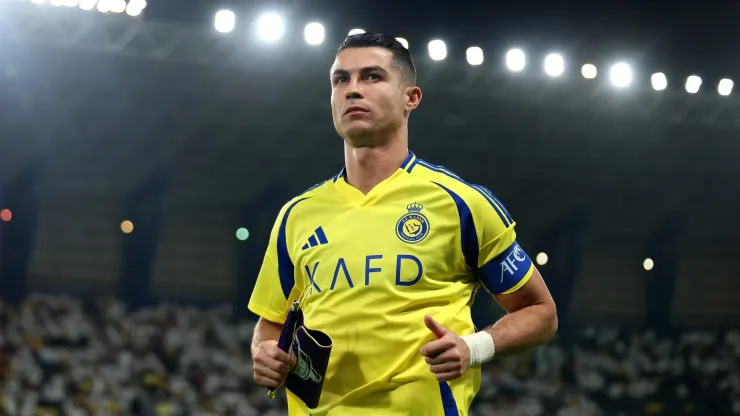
(353, 91)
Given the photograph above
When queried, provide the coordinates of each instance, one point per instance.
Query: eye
(339, 80)
(373, 77)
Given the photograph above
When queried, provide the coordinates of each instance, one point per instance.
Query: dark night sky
(676, 37)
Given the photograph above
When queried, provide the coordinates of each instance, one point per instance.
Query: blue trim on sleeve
(505, 218)
(448, 400)
(286, 269)
(506, 270)
(468, 235)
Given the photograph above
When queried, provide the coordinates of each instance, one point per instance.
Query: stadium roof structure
(108, 102)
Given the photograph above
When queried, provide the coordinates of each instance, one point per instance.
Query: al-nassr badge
(413, 226)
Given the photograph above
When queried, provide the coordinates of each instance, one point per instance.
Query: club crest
(413, 226)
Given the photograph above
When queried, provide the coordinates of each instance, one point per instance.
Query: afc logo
(413, 226)
(512, 261)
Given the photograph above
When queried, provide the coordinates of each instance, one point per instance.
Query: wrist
(482, 348)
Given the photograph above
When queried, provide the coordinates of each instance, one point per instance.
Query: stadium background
(191, 134)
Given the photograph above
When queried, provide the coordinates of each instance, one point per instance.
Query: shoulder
(475, 197)
(304, 197)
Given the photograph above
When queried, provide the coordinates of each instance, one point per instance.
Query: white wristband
(481, 347)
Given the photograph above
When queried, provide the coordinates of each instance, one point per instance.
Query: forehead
(353, 59)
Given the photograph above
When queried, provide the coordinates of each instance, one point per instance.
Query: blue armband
(505, 271)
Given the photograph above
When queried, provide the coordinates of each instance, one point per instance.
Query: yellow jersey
(369, 267)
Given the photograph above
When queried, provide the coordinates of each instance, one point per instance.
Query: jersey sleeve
(502, 266)
(274, 290)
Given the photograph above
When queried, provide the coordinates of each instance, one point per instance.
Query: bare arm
(531, 320)
(264, 331)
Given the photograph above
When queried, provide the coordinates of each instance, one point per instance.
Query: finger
(447, 376)
(448, 367)
(269, 373)
(438, 330)
(267, 382)
(434, 348)
(446, 356)
(272, 364)
(280, 355)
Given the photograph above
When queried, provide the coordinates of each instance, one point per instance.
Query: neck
(366, 167)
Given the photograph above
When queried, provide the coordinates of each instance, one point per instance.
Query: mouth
(354, 110)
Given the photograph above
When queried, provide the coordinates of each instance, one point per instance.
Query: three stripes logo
(318, 238)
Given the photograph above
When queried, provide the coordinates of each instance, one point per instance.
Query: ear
(413, 98)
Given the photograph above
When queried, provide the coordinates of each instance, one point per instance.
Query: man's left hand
(448, 356)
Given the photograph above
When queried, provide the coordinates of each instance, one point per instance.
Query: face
(369, 99)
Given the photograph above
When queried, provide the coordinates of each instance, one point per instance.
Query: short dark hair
(401, 56)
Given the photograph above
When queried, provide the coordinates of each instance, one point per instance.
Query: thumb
(438, 330)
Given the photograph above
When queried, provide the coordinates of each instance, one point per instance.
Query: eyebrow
(363, 70)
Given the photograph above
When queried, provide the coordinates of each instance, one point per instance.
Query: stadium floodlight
(515, 60)
(437, 50)
(474, 55)
(554, 65)
(725, 87)
(356, 31)
(72, 3)
(541, 258)
(117, 6)
(693, 83)
(648, 264)
(104, 6)
(135, 7)
(314, 33)
(224, 21)
(56, 3)
(620, 75)
(270, 27)
(589, 71)
(659, 81)
(403, 42)
(87, 4)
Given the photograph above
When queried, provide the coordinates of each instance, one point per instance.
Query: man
(387, 257)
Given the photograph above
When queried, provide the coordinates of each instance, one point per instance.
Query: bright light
(87, 4)
(127, 227)
(104, 6)
(6, 215)
(437, 50)
(541, 259)
(554, 65)
(38, 1)
(71, 3)
(270, 27)
(242, 234)
(314, 33)
(135, 7)
(620, 75)
(515, 60)
(474, 55)
(588, 71)
(725, 86)
(118, 6)
(225, 21)
(56, 3)
(692, 84)
(648, 264)
(356, 31)
(403, 42)
(659, 81)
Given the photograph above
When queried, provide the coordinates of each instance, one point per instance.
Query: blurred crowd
(61, 356)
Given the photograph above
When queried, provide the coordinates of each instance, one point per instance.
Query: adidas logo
(316, 239)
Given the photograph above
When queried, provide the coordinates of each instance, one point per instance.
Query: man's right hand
(272, 365)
